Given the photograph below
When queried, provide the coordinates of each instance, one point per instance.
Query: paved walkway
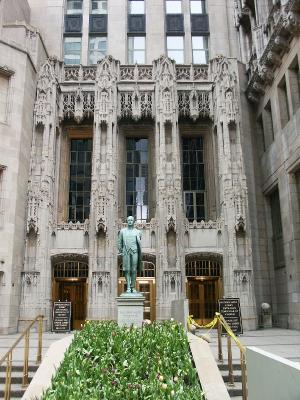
(282, 342)
(6, 341)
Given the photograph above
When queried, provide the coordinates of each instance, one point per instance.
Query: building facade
(182, 113)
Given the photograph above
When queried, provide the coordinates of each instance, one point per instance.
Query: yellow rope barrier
(211, 325)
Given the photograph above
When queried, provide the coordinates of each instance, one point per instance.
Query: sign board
(61, 316)
(231, 310)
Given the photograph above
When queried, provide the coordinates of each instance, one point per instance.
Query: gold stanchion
(40, 339)
(220, 351)
(8, 376)
(25, 381)
(244, 376)
(230, 366)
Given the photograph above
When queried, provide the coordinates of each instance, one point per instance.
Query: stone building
(183, 113)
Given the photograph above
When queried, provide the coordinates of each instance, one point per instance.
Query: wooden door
(75, 292)
(203, 297)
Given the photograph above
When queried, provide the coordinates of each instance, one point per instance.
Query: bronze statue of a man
(130, 248)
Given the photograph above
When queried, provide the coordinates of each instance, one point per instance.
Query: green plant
(106, 362)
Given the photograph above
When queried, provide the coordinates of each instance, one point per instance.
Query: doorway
(204, 289)
(69, 283)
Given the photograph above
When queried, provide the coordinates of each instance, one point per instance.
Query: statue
(130, 248)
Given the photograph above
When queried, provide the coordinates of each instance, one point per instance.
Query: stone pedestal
(130, 309)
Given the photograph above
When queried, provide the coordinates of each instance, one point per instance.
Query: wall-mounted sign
(61, 316)
(231, 310)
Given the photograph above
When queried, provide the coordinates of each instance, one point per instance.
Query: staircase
(235, 390)
(6, 342)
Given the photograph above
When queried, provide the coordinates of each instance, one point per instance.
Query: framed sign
(231, 311)
(61, 316)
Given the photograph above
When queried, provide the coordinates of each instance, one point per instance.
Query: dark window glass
(193, 178)
(137, 178)
(80, 180)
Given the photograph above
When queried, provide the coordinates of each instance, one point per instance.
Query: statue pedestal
(130, 309)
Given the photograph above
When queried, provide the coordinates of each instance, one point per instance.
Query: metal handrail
(8, 355)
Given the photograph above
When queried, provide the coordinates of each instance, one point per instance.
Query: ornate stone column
(169, 210)
(237, 258)
(103, 214)
(36, 278)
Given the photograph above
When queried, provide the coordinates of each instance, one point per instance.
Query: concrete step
(236, 376)
(235, 390)
(15, 393)
(224, 366)
(19, 368)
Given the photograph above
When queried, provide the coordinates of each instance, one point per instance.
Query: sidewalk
(282, 342)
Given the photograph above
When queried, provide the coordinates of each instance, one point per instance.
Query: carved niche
(165, 77)
(172, 284)
(101, 285)
(225, 91)
(105, 89)
(45, 84)
(33, 208)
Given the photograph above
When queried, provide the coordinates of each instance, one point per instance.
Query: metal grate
(202, 268)
(71, 269)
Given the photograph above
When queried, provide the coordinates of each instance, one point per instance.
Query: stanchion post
(220, 352)
(244, 376)
(40, 339)
(230, 366)
(25, 380)
(8, 377)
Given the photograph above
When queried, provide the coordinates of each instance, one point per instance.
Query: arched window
(203, 268)
(70, 269)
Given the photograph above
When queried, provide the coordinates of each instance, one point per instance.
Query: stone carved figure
(130, 248)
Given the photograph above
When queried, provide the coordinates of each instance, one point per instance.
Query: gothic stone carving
(46, 80)
(33, 208)
(101, 284)
(30, 278)
(172, 284)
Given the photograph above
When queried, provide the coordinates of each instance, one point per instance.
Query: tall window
(278, 249)
(283, 102)
(136, 49)
(197, 7)
(4, 86)
(97, 48)
(74, 6)
(193, 178)
(175, 48)
(137, 178)
(80, 179)
(136, 7)
(72, 50)
(200, 49)
(294, 81)
(99, 7)
(173, 6)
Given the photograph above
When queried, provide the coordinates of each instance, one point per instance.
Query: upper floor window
(72, 50)
(200, 49)
(175, 48)
(136, 7)
(173, 6)
(74, 6)
(97, 48)
(136, 49)
(4, 86)
(197, 6)
(99, 7)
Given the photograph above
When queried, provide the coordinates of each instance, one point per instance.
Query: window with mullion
(97, 48)
(74, 7)
(136, 7)
(99, 7)
(193, 178)
(173, 7)
(175, 48)
(136, 49)
(80, 179)
(137, 178)
(72, 50)
(197, 7)
(200, 49)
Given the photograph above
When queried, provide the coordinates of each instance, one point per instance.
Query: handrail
(8, 355)
(220, 321)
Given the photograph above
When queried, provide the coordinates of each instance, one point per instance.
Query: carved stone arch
(70, 265)
(204, 264)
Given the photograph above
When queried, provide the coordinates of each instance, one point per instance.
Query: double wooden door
(147, 288)
(75, 291)
(203, 295)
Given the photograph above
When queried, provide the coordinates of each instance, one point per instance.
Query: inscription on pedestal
(130, 311)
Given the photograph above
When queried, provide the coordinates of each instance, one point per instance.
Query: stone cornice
(286, 28)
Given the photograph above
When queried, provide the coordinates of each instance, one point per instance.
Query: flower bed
(105, 362)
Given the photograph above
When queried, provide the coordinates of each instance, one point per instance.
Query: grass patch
(106, 362)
